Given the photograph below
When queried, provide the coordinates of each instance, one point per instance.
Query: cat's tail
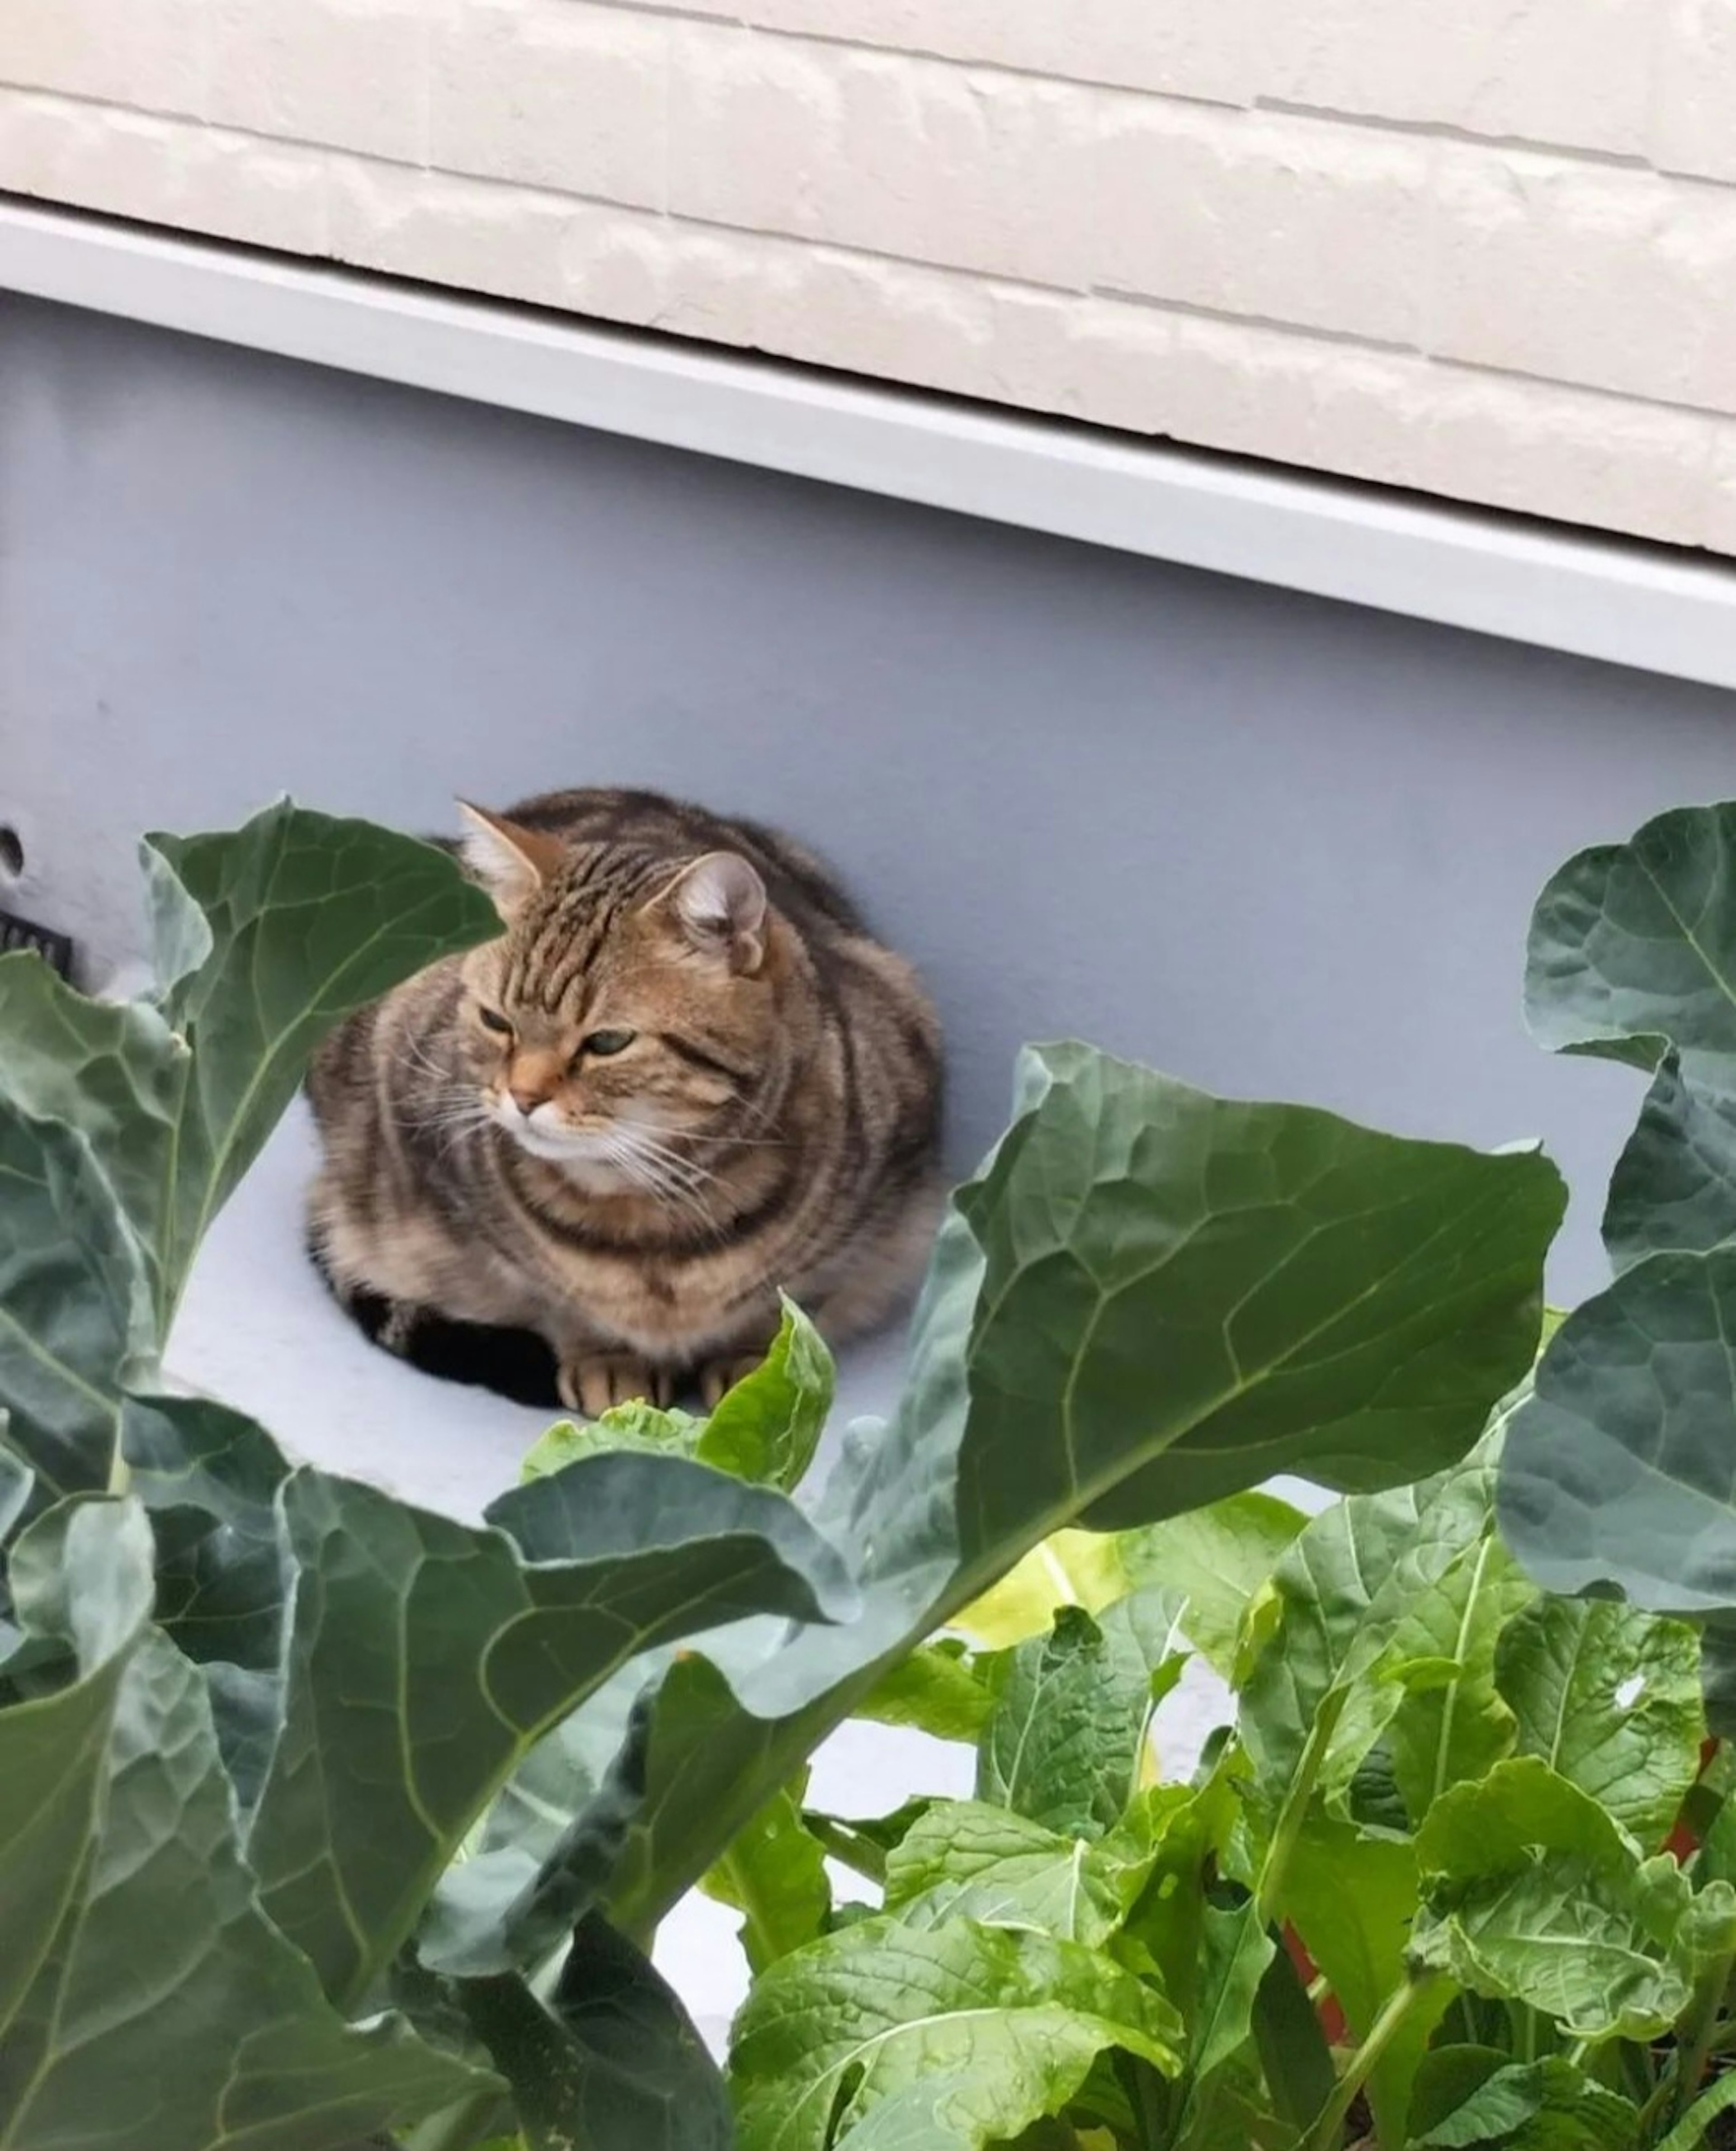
(515, 1364)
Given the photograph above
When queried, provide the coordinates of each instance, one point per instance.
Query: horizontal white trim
(1606, 597)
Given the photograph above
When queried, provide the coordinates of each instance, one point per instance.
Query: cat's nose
(527, 1097)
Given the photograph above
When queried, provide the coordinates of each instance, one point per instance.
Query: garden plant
(327, 1822)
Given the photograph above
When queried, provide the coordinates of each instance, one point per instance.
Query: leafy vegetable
(1009, 2026)
(407, 1798)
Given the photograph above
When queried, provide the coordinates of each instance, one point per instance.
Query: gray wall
(1276, 845)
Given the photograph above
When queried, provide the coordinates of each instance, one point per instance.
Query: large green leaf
(304, 918)
(1616, 1473)
(612, 2062)
(145, 2000)
(427, 1658)
(265, 937)
(1633, 950)
(1321, 1299)
(1002, 2027)
(1533, 1893)
(1609, 1698)
(1066, 1738)
(1631, 946)
(1148, 1299)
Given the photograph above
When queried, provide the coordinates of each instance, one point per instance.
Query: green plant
(1449, 1789)
(326, 1820)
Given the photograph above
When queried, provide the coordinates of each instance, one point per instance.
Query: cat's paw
(593, 1383)
(718, 1377)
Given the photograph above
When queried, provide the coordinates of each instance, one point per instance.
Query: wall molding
(1623, 601)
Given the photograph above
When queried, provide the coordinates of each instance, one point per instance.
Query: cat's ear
(719, 904)
(510, 863)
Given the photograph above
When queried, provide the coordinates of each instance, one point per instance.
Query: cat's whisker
(659, 1176)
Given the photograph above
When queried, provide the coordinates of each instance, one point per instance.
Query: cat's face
(629, 1010)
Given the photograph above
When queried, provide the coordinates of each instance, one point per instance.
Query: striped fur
(771, 1124)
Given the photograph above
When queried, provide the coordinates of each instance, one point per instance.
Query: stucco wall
(1485, 248)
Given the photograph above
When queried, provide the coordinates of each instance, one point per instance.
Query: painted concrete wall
(1276, 845)
(1484, 248)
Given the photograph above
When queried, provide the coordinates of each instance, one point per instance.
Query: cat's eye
(605, 1043)
(493, 1019)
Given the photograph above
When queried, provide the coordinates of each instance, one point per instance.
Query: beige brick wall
(1482, 248)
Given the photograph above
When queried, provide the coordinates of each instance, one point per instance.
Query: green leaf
(1615, 1476)
(1532, 1893)
(1718, 1678)
(130, 1915)
(1534, 2106)
(768, 1427)
(16, 1481)
(1695, 2128)
(504, 1909)
(1352, 1898)
(1073, 1568)
(939, 1689)
(612, 2063)
(774, 1875)
(1318, 1298)
(1629, 946)
(1294, 2057)
(1329, 1301)
(963, 1860)
(1005, 2026)
(1632, 950)
(1442, 1735)
(640, 1428)
(210, 1478)
(73, 1298)
(307, 918)
(1216, 1560)
(1610, 1698)
(270, 935)
(427, 1658)
(1195, 1828)
(1379, 1594)
(1674, 1186)
(1064, 1743)
(1238, 1951)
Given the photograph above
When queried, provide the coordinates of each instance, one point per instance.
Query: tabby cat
(684, 1079)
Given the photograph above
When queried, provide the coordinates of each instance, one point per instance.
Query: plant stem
(1274, 1871)
(1694, 2050)
(1328, 2128)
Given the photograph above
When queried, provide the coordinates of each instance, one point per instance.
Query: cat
(684, 1079)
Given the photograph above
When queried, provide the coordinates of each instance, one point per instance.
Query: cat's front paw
(718, 1377)
(593, 1383)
